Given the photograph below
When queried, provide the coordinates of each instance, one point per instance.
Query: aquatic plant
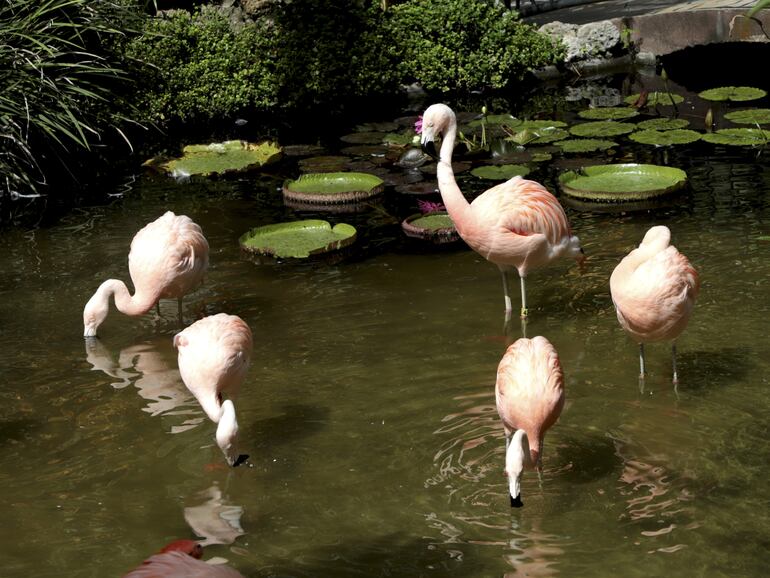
(436, 227)
(500, 172)
(332, 188)
(60, 81)
(655, 99)
(297, 239)
(734, 93)
(218, 158)
(585, 145)
(677, 136)
(749, 116)
(601, 128)
(663, 123)
(622, 182)
(608, 113)
(738, 137)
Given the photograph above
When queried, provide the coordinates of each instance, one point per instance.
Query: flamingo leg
(157, 307)
(179, 308)
(673, 361)
(641, 361)
(524, 310)
(507, 294)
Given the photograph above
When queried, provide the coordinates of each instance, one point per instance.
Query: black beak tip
(241, 458)
(516, 502)
(429, 148)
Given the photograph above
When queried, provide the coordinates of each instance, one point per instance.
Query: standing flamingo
(654, 289)
(214, 355)
(181, 559)
(168, 259)
(516, 224)
(530, 396)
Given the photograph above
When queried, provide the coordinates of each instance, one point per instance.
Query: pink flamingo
(517, 224)
(654, 289)
(214, 355)
(530, 396)
(178, 559)
(168, 259)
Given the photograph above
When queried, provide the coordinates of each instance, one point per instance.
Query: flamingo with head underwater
(517, 224)
(214, 356)
(167, 260)
(181, 559)
(529, 392)
(654, 289)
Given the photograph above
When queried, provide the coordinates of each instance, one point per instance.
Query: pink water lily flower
(418, 125)
(430, 207)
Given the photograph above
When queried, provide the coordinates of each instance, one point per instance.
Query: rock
(592, 40)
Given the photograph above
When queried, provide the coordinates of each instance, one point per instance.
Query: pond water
(368, 412)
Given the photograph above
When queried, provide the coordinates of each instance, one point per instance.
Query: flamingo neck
(520, 453)
(137, 304)
(455, 202)
(212, 405)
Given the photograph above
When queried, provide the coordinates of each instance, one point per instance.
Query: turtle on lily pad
(218, 158)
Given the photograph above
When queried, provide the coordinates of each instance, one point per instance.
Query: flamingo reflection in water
(148, 367)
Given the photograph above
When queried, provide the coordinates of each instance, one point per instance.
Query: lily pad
(219, 158)
(656, 99)
(608, 113)
(536, 136)
(585, 145)
(400, 139)
(332, 188)
(500, 172)
(663, 124)
(622, 182)
(738, 137)
(749, 116)
(602, 128)
(665, 137)
(734, 93)
(297, 239)
(436, 227)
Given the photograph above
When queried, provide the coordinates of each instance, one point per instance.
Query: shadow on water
(298, 421)
(721, 368)
(592, 457)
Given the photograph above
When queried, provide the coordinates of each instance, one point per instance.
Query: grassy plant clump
(59, 85)
(466, 44)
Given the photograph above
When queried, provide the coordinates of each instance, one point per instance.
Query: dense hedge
(466, 45)
(327, 52)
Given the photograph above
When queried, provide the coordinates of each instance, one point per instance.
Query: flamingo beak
(429, 148)
(516, 502)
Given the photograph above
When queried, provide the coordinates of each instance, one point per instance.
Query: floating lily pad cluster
(734, 93)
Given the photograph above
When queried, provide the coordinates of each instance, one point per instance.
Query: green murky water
(368, 413)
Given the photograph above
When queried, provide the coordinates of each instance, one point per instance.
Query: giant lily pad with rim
(297, 239)
(219, 158)
(319, 189)
(618, 183)
(436, 227)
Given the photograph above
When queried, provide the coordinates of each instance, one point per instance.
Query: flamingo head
(657, 238)
(94, 313)
(227, 433)
(515, 457)
(189, 547)
(436, 119)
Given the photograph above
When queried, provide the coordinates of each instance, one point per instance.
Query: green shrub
(198, 66)
(58, 84)
(466, 44)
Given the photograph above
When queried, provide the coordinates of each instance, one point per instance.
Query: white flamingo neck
(519, 454)
(456, 204)
(137, 304)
